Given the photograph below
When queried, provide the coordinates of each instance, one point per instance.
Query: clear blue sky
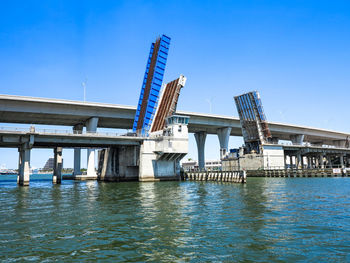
(295, 53)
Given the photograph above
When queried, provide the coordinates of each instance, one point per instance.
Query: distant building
(189, 166)
(49, 165)
(212, 165)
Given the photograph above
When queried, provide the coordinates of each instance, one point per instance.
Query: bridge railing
(14, 129)
(286, 143)
(47, 131)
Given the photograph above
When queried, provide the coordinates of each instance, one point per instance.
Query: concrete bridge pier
(309, 162)
(317, 162)
(24, 165)
(91, 127)
(108, 167)
(329, 161)
(341, 159)
(224, 137)
(320, 161)
(19, 163)
(57, 170)
(285, 161)
(297, 139)
(300, 161)
(200, 140)
(77, 129)
(313, 161)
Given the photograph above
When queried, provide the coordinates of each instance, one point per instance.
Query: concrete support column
(200, 139)
(20, 163)
(77, 129)
(291, 161)
(320, 161)
(24, 166)
(296, 162)
(302, 162)
(341, 159)
(91, 127)
(297, 139)
(285, 161)
(77, 161)
(224, 137)
(309, 162)
(299, 161)
(57, 168)
(329, 162)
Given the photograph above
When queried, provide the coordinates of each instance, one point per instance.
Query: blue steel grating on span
(155, 85)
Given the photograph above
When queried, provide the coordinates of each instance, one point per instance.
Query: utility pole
(84, 87)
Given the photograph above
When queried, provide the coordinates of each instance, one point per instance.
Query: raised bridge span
(30, 110)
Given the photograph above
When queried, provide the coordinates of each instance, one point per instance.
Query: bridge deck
(49, 139)
(19, 109)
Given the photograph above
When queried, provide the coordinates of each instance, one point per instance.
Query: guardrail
(33, 130)
(305, 144)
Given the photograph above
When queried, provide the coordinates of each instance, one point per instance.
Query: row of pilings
(218, 176)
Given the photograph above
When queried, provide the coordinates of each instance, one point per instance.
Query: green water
(266, 220)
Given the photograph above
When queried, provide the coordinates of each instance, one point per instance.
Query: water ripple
(266, 220)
